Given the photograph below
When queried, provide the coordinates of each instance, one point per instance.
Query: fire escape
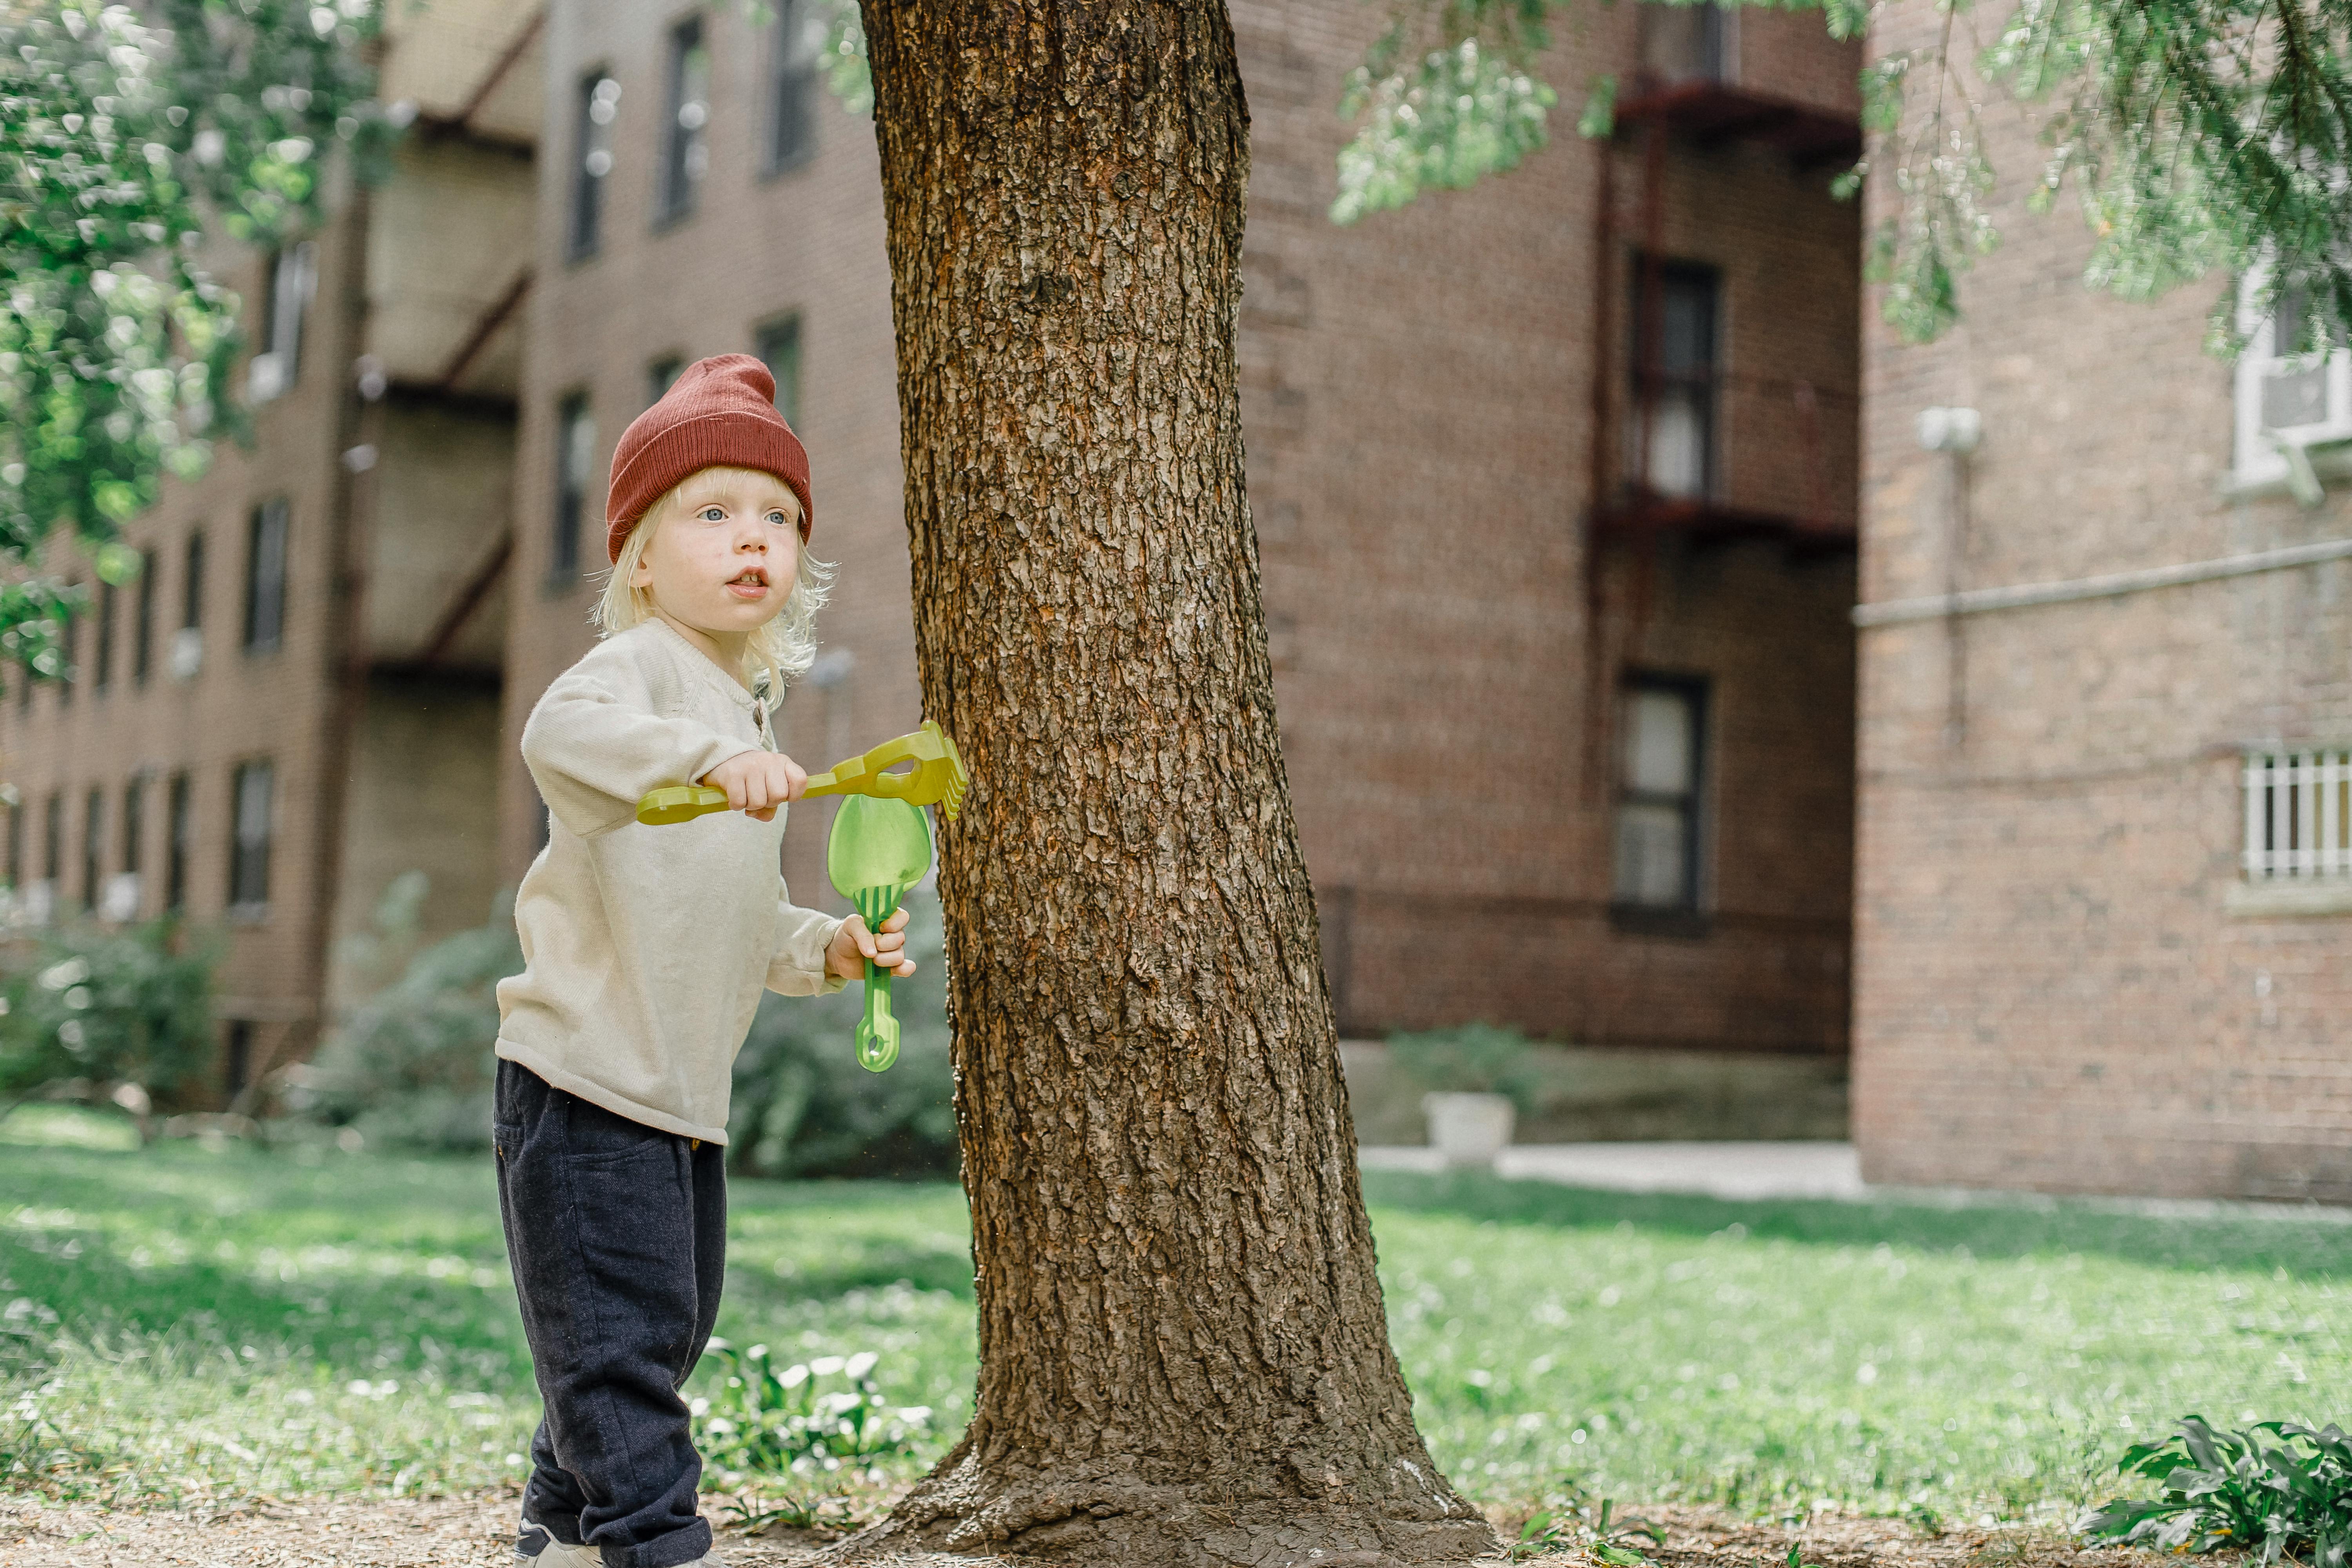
(1685, 445)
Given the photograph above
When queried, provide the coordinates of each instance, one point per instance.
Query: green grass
(229, 1323)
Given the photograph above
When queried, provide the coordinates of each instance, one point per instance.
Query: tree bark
(1183, 1354)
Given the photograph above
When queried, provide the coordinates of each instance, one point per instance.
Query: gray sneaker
(535, 1548)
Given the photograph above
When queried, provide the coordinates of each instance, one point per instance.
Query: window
(102, 666)
(575, 462)
(661, 375)
(293, 279)
(142, 632)
(794, 46)
(2290, 398)
(2299, 815)
(122, 889)
(249, 863)
(179, 830)
(1658, 779)
(53, 854)
(93, 849)
(1684, 43)
(188, 643)
(1673, 378)
(777, 345)
(600, 101)
(236, 1061)
(16, 846)
(68, 650)
(686, 154)
(264, 578)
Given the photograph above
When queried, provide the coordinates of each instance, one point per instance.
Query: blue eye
(779, 518)
(714, 514)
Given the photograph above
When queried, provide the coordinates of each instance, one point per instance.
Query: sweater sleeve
(594, 747)
(802, 936)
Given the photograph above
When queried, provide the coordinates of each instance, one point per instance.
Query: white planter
(1468, 1130)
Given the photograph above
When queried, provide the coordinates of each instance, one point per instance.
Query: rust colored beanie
(720, 412)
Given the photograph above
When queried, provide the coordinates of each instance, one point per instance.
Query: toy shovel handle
(877, 1031)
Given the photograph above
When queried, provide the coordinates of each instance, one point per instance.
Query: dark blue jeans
(617, 1237)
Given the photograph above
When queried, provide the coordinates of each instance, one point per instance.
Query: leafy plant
(414, 1063)
(802, 1106)
(2276, 1489)
(1602, 1534)
(757, 1515)
(110, 1014)
(1472, 1059)
(759, 1419)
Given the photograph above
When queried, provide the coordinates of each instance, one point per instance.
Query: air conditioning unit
(2288, 402)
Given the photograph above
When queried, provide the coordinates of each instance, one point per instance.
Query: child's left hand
(852, 945)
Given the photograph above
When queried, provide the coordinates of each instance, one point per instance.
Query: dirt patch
(479, 1532)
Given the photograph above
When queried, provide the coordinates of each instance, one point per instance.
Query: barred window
(2298, 815)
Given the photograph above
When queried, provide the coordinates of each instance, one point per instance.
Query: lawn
(191, 1323)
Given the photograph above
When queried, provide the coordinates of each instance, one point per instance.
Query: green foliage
(1469, 1058)
(1565, 1523)
(2273, 1490)
(123, 132)
(802, 1106)
(2195, 135)
(759, 1420)
(1446, 98)
(413, 1064)
(125, 1012)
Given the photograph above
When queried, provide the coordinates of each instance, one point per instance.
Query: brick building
(297, 699)
(1558, 542)
(2100, 940)
(1601, 790)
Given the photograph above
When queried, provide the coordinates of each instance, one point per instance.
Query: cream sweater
(645, 949)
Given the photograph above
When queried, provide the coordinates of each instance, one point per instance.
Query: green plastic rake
(879, 848)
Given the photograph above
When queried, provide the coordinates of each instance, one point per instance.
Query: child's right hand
(758, 782)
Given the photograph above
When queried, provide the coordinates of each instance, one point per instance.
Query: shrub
(758, 1418)
(802, 1106)
(413, 1064)
(2275, 1489)
(109, 1013)
(1469, 1058)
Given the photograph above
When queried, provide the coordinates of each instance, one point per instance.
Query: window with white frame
(2298, 815)
(2290, 397)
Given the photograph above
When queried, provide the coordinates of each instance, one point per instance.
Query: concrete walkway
(1712, 1170)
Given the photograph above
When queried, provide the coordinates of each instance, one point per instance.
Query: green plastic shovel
(879, 848)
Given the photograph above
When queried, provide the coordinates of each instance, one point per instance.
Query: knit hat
(720, 412)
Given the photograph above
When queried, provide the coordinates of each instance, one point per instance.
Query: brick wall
(1417, 396)
(2051, 988)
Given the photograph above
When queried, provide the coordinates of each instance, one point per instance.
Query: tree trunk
(1183, 1355)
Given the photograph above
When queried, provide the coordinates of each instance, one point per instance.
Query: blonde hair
(782, 650)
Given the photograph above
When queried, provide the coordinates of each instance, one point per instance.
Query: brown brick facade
(2059, 982)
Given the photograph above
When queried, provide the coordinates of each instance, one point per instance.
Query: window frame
(678, 188)
(568, 522)
(289, 285)
(268, 543)
(2257, 451)
(142, 633)
(591, 136)
(93, 849)
(180, 829)
(101, 662)
(782, 332)
(249, 858)
(1641, 454)
(1687, 916)
(795, 89)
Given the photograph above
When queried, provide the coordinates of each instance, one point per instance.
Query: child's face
(724, 551)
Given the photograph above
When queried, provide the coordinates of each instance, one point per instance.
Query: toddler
(645, 949)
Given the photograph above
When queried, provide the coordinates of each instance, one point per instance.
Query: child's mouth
(751, 584)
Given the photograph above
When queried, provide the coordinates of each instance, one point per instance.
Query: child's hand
(758, 782)
(852, 945)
